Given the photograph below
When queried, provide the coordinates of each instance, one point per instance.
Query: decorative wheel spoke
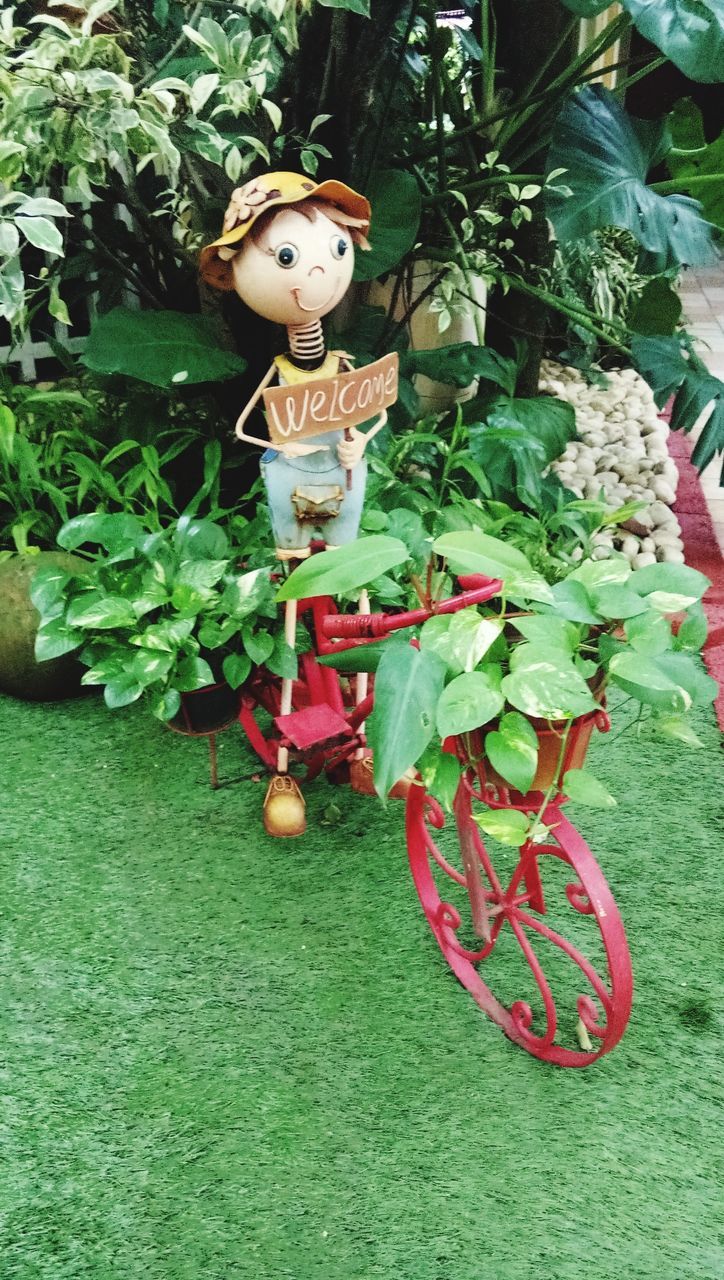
(473, 916)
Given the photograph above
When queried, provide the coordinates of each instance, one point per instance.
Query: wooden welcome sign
(329, 404)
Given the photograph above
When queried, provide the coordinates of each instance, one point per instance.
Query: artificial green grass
(228, 1057)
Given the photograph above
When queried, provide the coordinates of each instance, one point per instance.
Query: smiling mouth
(320, 306)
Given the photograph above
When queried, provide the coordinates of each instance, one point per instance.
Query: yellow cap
(266, 192)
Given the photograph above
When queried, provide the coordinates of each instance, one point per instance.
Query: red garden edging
(702, 552)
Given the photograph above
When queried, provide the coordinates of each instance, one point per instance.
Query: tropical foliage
(539, 654)
(158, 614)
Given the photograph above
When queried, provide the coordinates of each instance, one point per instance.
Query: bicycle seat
(313, 726)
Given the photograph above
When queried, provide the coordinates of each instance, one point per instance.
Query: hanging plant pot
(207, 710)
(550, 767)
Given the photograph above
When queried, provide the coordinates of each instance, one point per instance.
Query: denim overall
(308, 497)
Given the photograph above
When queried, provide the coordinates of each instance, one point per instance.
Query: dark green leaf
(201, 575)
(607, 155)
(113, 532)
(703, 160)
(440, 772)
(167, 635)
(55, 638)
(236, 667)
(148, 666)
(345, 569)
(689, 32)
(460, 364)
(258, 645)
(200, 540)
(661, 363)
(47, 590)
(101, 612)
(547, 422)
(104, 668)
(248, 593)
(167, 705)
(396, 204)
(407, 527)
(122, 690)
(282, 661)
(586, 8)
(353, 6)
(363, 657)
(657, 310)
(407, 687)
(165, 348)
(192, 673)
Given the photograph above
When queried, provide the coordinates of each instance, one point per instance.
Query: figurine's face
(297, 269)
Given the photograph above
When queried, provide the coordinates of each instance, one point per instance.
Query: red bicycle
(540, 920)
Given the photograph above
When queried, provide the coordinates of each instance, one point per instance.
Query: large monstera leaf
(607, 155)
(697, 165)
(689, 32)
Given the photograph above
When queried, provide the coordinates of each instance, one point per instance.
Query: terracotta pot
(549, 746)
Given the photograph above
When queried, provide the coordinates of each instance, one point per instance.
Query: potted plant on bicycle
(529, 663)
(494, 700)
(168, 616)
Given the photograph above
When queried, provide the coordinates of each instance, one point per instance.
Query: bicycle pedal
(314, 726)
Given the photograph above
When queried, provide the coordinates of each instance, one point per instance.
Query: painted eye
(287, 255)
(339, 246)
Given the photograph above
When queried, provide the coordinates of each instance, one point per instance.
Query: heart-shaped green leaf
(512, 749)
(468, 702)
(581, 786)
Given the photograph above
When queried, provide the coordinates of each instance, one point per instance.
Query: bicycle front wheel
(552, 948)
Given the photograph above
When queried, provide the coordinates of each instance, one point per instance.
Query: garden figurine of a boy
(287, 249)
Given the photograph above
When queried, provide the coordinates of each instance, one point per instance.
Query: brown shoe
(361, 776)
(284, 808)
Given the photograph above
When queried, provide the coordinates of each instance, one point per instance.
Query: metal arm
(369, 626)
(239, 428)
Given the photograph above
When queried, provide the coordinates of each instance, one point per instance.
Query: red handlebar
(369, 626)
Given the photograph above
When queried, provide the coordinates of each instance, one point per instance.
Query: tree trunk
(528, 30)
